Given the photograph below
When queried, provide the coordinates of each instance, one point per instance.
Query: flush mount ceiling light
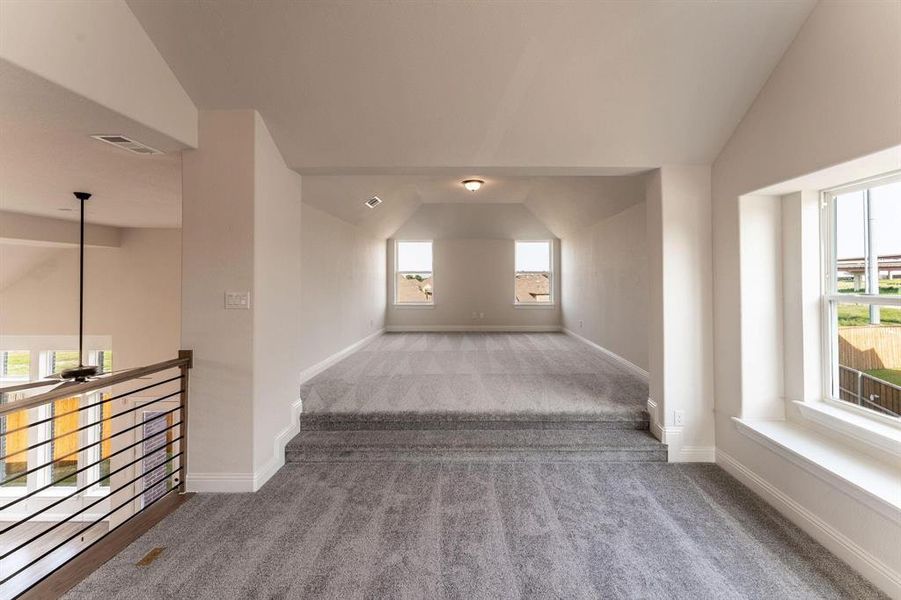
(472, 185)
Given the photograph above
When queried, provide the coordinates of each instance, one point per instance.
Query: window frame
(830, 298)
(552, 276)
(418, 304)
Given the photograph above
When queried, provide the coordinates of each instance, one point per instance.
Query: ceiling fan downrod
(82, 372)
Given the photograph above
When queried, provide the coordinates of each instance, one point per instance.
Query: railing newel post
(184, 368)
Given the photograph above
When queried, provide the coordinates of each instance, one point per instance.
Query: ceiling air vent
(120, 141)
(373, 202)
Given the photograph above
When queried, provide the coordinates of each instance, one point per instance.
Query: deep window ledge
(546, 305)
(413, 305)
(883, 437)
(872, 482)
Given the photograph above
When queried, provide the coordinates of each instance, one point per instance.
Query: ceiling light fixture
(472, 185)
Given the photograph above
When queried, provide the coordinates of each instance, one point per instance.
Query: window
(863, 295)
(15, 366)
(64, 426)
(413, 279)
(533, 281)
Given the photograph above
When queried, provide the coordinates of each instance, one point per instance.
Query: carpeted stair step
(638, 420)
(526, 445)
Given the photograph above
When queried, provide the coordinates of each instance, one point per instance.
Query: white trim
(552, 275)
(849, 468)
(698, 454)
(229, 483)
(325, 363)
(545, 305)
(277, 461)
(54, 517)
(629, 365)
(473, 328)
(654, 414)
(847, 550)
(885, 438)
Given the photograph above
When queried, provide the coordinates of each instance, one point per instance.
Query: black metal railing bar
(86, 446)
(12, 526)
(92, 405)
(102, 518)
(83, 427)
(59, 523)
(67, 390)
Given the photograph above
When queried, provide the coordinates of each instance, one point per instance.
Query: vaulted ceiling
(377, 85)
(439, 206)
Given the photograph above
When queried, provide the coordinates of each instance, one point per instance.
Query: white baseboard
(250, 482)
(229, 483)
(277, 461)
(629, 365)
(654, 414)
(473, 328)
(836, 542)
(698, 454)
(327, 362)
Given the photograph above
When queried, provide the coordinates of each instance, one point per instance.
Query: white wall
(473, 275)
(473, 263)
(95, 49)
(217, 222)
(343, 295)
(241, 223)
(276, 300)
(760, 279)
(132, 294)
(604, 282)
(681, 333)
(834, 97)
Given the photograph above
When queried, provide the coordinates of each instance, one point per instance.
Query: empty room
(438, 299)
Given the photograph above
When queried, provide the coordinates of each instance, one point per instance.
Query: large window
(15, 367)
(533, 281)
(863, 294)
(413, 277)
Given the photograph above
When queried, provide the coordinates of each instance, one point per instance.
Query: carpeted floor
(471, 531)
(477, 373)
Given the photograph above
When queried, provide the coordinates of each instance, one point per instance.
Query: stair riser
(331, 424)
(312, 456)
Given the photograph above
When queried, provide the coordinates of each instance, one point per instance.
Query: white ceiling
(350, 85)
(561, 203)
(46, 154)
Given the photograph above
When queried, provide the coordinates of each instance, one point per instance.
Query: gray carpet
(488, 374)
(471, 531)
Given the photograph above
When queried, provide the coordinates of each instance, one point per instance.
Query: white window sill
(412, 305)
(860, 476)
(884, 437)
(547, 305)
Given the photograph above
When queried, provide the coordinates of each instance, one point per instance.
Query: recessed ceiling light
(472, 185)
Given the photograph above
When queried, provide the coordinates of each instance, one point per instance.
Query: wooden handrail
(69, 389)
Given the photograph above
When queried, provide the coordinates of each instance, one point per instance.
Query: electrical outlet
(679, 418)
(475, 315)
(481, 315)
(580, 323)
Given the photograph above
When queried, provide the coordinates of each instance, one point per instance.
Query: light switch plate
(237, 300)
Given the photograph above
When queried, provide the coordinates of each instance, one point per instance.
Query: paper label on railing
(155, 466)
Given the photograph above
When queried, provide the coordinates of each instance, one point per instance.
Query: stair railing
(86, 468)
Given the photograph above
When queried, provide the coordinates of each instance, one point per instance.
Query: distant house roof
(532, 287)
